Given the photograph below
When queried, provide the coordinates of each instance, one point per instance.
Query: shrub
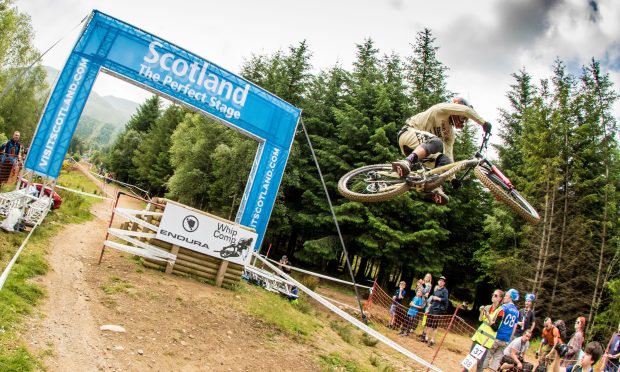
(368, 340)
(310, 281)
(344, 331)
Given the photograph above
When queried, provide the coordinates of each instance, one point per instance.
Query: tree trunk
(561, 247)
(596, 296)
(548, 243)
(598, 293)
(541, 248)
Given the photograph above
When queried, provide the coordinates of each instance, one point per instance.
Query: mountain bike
(378, 182)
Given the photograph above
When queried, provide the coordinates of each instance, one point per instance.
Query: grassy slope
(18, 296)
(337, 345)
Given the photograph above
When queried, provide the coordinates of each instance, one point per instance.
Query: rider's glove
(487, 127)
(456, 183)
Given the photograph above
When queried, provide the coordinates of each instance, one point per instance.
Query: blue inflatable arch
(155, 64)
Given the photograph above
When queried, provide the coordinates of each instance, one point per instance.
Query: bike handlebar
(485, 141)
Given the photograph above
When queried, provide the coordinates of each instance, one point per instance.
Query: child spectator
(416, 307)
(397, 301)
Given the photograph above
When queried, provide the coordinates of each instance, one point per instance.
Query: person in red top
(551, 339)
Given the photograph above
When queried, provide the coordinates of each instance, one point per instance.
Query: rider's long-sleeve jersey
(435, 120)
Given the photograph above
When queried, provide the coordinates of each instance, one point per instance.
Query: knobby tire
(511, 198)
(361, 192)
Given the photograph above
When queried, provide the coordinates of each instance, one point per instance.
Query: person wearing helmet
(431, 134)
(510, 315)
(527, 316)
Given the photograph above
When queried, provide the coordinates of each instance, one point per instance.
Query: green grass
(380, 365)
(279, 312)
(116, 285)
(368, 340)
(19, 295)
(335, 362)
(344, 330)
(343, 288)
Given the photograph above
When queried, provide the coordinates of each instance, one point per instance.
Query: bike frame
(492, 167)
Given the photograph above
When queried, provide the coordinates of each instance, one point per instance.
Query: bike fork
(465, 174)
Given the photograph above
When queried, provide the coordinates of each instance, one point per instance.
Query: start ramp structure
(182, 240)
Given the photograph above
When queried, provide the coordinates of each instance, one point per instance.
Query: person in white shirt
(514, 353)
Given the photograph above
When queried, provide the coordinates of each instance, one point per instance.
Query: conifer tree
(426, 74)
(599, 173)
(119, 157)
(193, 143)
(520, 98)
(151, 159)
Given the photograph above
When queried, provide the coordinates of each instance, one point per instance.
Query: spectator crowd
(502, 339)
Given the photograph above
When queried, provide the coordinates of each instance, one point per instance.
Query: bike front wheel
(508, 196)
(372, 183)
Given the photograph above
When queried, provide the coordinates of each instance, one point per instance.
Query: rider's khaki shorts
(412, 138)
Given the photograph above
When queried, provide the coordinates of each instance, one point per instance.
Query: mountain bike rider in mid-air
(431, 134)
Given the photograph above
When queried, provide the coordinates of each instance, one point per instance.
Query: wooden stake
(170, 265)
(219, 278)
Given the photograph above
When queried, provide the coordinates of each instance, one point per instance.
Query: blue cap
(530, 297)
(514, 294)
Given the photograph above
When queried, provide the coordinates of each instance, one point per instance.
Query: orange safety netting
(382, 308)
(9, 171)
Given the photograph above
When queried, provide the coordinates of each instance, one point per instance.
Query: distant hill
(103, 118)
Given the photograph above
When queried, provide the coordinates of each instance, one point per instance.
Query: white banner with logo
(206, 234)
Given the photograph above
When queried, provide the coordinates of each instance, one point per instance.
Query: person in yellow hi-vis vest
(491, 319)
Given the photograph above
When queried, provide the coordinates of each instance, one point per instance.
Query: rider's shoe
(437, 196)
(404, 167)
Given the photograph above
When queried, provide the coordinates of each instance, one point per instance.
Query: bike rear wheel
(372, 183)
(508, 196)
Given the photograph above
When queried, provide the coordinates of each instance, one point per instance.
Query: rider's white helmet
(457, 120)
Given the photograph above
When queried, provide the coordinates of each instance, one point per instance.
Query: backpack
(561, 326)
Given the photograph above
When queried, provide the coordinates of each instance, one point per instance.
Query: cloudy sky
(482, 42)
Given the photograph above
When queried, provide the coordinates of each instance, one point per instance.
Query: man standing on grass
(439, 306)
(10, 157)
(527, 317)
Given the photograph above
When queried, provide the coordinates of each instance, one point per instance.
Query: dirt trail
(171, 323)
(68, 325)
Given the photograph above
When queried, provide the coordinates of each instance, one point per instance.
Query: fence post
(444, 335)
(107, 234)
(368, 303)
(170, 265)
(219, 278)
